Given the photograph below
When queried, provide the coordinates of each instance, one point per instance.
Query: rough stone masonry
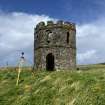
(55, 45)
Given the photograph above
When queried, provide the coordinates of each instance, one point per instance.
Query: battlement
(51, 24)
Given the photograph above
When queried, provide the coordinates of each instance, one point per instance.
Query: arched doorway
(50, 62)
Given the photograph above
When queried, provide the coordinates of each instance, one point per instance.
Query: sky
(19, 17)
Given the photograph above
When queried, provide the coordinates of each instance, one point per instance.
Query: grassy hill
(83, 87)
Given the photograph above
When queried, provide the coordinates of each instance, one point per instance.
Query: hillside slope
(53, 88)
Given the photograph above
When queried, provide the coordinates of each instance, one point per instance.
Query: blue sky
(72, 10)
(19, 17)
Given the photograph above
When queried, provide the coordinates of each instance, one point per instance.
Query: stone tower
(55, 46)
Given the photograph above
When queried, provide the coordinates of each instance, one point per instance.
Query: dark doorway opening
(50, 62)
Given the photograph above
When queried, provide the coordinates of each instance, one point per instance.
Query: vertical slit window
(67, 37)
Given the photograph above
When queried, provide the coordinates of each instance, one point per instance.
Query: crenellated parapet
(51, 24)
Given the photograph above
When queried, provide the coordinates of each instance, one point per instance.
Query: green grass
(54, 88)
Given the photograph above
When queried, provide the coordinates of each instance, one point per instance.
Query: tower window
(67, 40)
(48, 31)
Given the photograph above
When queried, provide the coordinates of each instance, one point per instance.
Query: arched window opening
(49, 34)
(68, 35)
(48, 31)
(48, 41)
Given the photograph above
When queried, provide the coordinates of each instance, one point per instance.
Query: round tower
(55, 46)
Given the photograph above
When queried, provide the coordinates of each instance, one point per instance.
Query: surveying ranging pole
(22, 55)
(21, 62)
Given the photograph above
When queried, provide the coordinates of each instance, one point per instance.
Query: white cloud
(90, 40)
(17, 34)
(87, 57)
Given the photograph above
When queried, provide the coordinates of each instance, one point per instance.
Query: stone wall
(56, 38)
